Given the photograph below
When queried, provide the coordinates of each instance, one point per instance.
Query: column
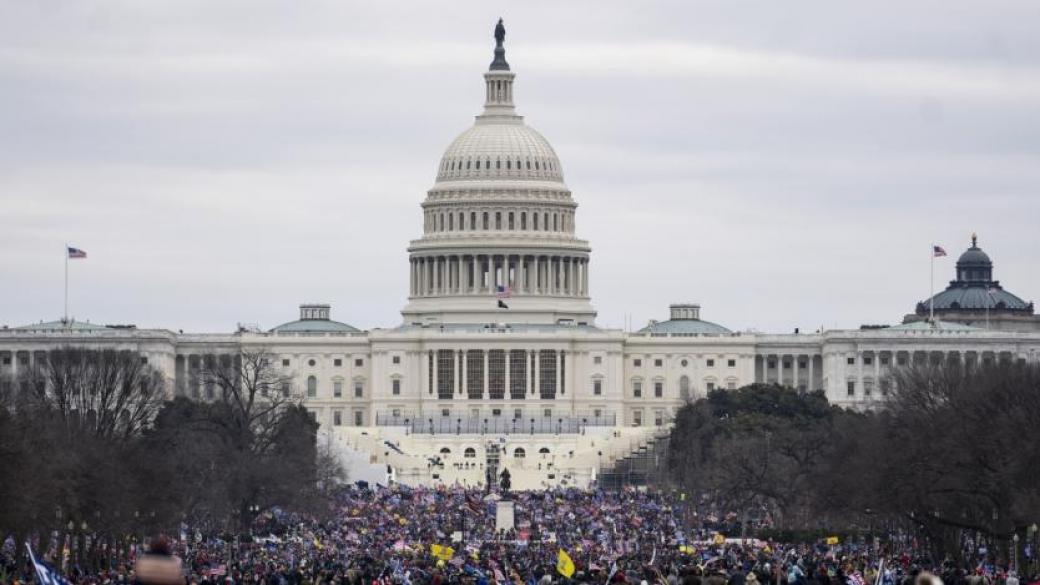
(459, 274)
(458, 374)
(559, 355)
(436, 375)
(509, 358)
(484, 394)
(859, 374)
(537, 368)
(521, 273)
(877, 372)
(424, 377)
(465, 387)
(794, 368)
(570, 276)
(535, 280)
(812, 382)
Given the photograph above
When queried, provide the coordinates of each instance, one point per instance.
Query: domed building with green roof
(976, 299)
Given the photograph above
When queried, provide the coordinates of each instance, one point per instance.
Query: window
(517, 374)
(312, 386)
(658, 418)
(144, 359)
(469, 453)
(637, 389)
(285, 389)
(637, 363)
(511, 226)
(395, 412)
(496, 412)
(771, 364)
(597, 360)
(851, 361)
(710, 386)
(396, 385)
(684, 388)
(711, 363)
(637, 418)
(445, 413)
(474, 375)
(884, 360)
(658, 389)
(597, 412)
(337, 418)
(337, 389)
(851, 388)
(518, 413)
(547, 374)
(519, 453)
(547, 413)
(787, 365)
(359, 389)
(731, 385)
(396, 360)
(485, 220)
(523, 220)
(597, 387)
(658, 363)
(901, 360)
(498, 220)
(337, 362)
(496, 374)
(868, 388)
(359, 418)
(684, 363)
(731, 363)
(867, 360)
(884, 387)
(310, 363)
(285, 362)
(358, 362)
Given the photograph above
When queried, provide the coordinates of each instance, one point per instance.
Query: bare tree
(107, 393)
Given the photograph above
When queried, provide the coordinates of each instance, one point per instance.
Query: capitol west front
(498, 362)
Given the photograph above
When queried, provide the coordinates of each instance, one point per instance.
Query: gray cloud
(783, 164)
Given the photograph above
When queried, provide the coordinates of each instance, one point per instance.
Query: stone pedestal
(504, 515)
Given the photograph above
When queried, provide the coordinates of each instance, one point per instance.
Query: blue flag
(45, 574)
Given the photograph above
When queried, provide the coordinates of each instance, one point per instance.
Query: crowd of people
(419, 536)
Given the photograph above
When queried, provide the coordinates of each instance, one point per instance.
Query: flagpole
(65, 320)
(931, 288)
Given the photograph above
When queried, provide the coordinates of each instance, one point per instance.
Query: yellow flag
(317, 544)
(719, 539)
(831, 540)
(564, 564)
(444, 553)
(685, 548)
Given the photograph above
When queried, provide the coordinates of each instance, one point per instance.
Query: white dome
(497, 148)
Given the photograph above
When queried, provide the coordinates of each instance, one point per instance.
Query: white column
(810, 386)
(559, 359)
(537, 370)
(794, 367)
(487, 377)
(464, 377)
(458, 377)
(535, 280)
(508, 387)
(570, 276)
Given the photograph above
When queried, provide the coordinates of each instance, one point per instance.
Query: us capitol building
(499, 364)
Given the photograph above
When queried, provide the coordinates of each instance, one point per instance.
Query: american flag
(938, 251)
(502, 292)
(76, 252)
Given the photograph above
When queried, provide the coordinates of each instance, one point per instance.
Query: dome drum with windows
(498, 241)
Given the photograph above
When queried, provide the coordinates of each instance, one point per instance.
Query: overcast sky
(785, 164)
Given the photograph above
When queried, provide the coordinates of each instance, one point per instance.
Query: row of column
(796, 367)
(460, 275)
(532, 374)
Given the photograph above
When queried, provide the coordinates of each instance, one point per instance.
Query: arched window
(556, 222)
(509, 165)
(545, 221)
(451, 222)
(523, 220)
(498, 220)
(511, 226)
(543, 451)
(312, 386)
(485, 220)
(478, 164)
(467, 165)
(462, 221)
(473, 220)
(536, 166)
(498, 163)
(535, 217)
(528, 165)
(684, 387)
(470, 453)
(445, 451)
(519, 453)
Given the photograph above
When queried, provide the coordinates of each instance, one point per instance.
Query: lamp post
(1014, 539)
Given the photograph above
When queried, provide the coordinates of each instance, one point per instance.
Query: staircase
(641, 467)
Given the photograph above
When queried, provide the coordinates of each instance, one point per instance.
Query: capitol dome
(497, 147)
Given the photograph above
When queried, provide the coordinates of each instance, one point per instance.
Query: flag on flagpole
(75, 252)
(938, 251)
(503, 292)
(45, 574)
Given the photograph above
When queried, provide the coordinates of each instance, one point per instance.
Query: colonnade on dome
(519, 274)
